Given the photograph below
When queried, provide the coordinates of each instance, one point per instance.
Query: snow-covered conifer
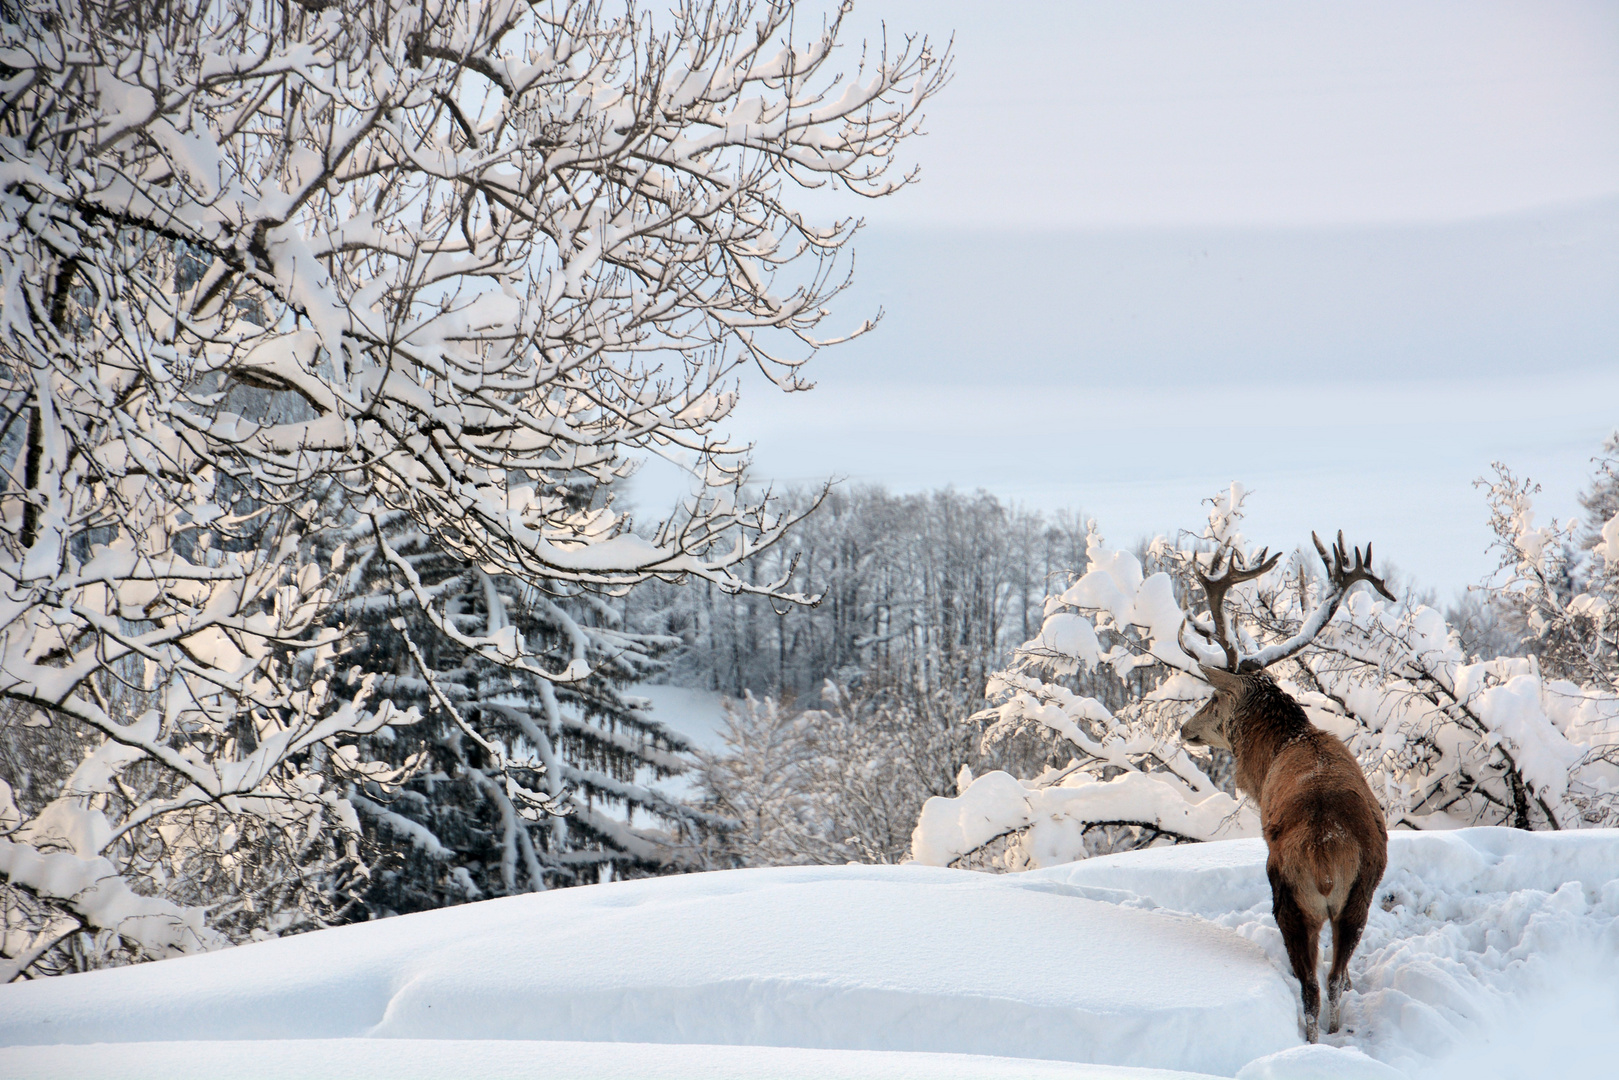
(457, 830)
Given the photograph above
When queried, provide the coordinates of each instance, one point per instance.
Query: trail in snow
(1489, 952)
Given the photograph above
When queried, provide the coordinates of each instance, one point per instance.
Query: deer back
(1320, 818)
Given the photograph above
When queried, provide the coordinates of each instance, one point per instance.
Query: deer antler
(1217, 583)
(1342, 575)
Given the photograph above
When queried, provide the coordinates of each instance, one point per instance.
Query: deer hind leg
(1301, 933)
(1346, 931)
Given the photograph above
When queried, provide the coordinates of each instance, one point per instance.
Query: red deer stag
(1324, 828)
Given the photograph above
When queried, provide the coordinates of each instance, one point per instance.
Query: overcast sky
(1346, 254)
(1272, 112)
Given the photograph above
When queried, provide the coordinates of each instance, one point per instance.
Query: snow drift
(853, 957)
(1485, 947)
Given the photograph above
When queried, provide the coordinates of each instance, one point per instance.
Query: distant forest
(929, 589)
(932, 590)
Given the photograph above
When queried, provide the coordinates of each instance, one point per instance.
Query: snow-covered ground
(507, 1059)
(697, 714)
(902, 958)
(1489, 953)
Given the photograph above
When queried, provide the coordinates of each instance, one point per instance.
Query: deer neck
(1258, 734)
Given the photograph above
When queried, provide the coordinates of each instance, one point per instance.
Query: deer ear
(1222, 680)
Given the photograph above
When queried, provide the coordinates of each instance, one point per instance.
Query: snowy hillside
(1488, 947)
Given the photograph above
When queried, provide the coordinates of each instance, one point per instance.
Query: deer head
(1218, 581)
(1210, 725)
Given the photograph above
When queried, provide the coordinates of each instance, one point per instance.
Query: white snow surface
(697, 714)
(904, 958)
(518, 1059)
(1489, 953)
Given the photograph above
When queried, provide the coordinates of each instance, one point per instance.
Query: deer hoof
(1312, 1029)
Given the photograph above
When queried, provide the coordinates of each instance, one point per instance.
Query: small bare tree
(830, 785)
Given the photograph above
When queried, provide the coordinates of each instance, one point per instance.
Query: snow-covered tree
(1446, 740)
(1561, 597)
(457, 830)
(268, 268)
(1600, 499)
(759, 782)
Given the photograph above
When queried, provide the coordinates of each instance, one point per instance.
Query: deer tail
(1332, 862)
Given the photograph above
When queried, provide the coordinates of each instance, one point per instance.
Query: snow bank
(506, 1059)
(904, 958)
(1489, 953)
(1485, 946)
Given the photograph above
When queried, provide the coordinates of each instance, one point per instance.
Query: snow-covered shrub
(271, 269)
(1447, 740)
(830, 785)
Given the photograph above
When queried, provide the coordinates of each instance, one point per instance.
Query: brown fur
(1324, 828)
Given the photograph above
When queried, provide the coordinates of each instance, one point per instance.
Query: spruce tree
(463, 828)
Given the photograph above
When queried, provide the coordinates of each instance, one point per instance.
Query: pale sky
(1261, 112)
(1348, 254)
